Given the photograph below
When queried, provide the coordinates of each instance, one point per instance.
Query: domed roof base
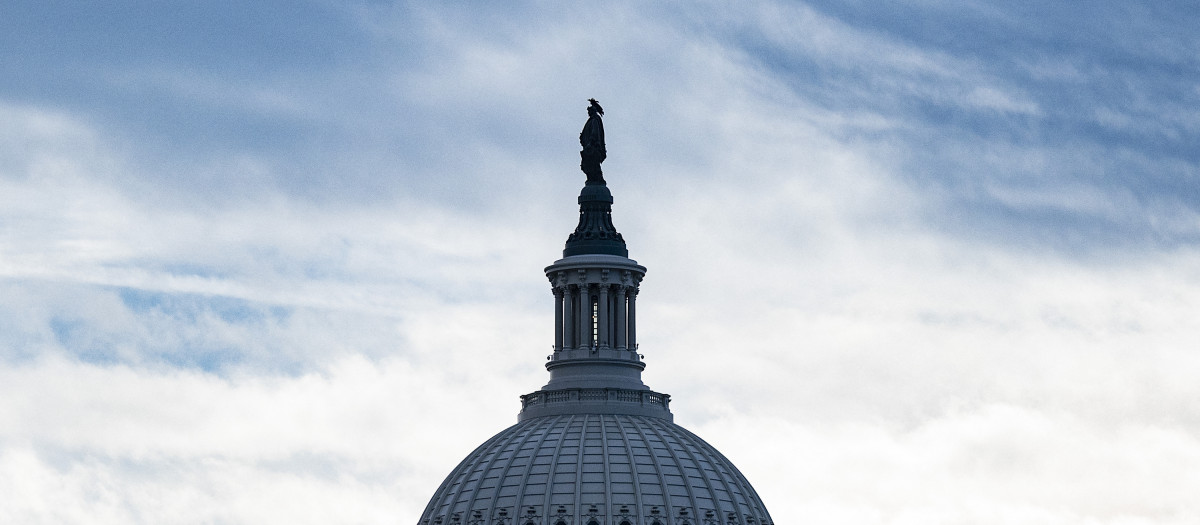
(601, 469)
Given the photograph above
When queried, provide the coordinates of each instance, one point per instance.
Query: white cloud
(992, 464)
(859, 364)
(132, 444)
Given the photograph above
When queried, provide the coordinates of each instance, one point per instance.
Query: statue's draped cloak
(593, 153)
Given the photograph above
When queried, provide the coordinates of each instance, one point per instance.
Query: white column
(568, 323)
(558, 319)
(621, 321)
(633, 319)
(585, 316)
(602, 322)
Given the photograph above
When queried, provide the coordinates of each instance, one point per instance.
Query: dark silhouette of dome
(595, 446)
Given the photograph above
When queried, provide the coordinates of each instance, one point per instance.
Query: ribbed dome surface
(602, 468)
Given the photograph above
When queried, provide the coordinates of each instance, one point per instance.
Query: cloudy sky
(914, 262)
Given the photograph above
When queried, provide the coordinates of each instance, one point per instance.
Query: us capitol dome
(595, 446)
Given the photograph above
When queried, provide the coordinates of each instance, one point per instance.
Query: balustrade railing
(593, 395)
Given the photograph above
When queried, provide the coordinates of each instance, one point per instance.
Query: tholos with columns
(601, 317)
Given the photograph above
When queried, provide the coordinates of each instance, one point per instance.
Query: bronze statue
(592, 140)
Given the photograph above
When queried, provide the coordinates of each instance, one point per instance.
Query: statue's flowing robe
(592, 140)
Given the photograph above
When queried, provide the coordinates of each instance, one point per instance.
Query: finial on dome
(592, 140)
(595, 233)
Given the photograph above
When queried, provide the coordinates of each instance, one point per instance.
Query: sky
(909, 262)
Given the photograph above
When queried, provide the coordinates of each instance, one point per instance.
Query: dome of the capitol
(595, 446)
(606, 468)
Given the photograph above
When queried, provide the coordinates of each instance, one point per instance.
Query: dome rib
(566, 427)
(607, 465)
(503, 473)
(723, 477)
(637, 482)
(568, 430)
(687, 478)
(747, 505)
(479, 486)
(662, 480)
(445, 490)
(579, 462)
